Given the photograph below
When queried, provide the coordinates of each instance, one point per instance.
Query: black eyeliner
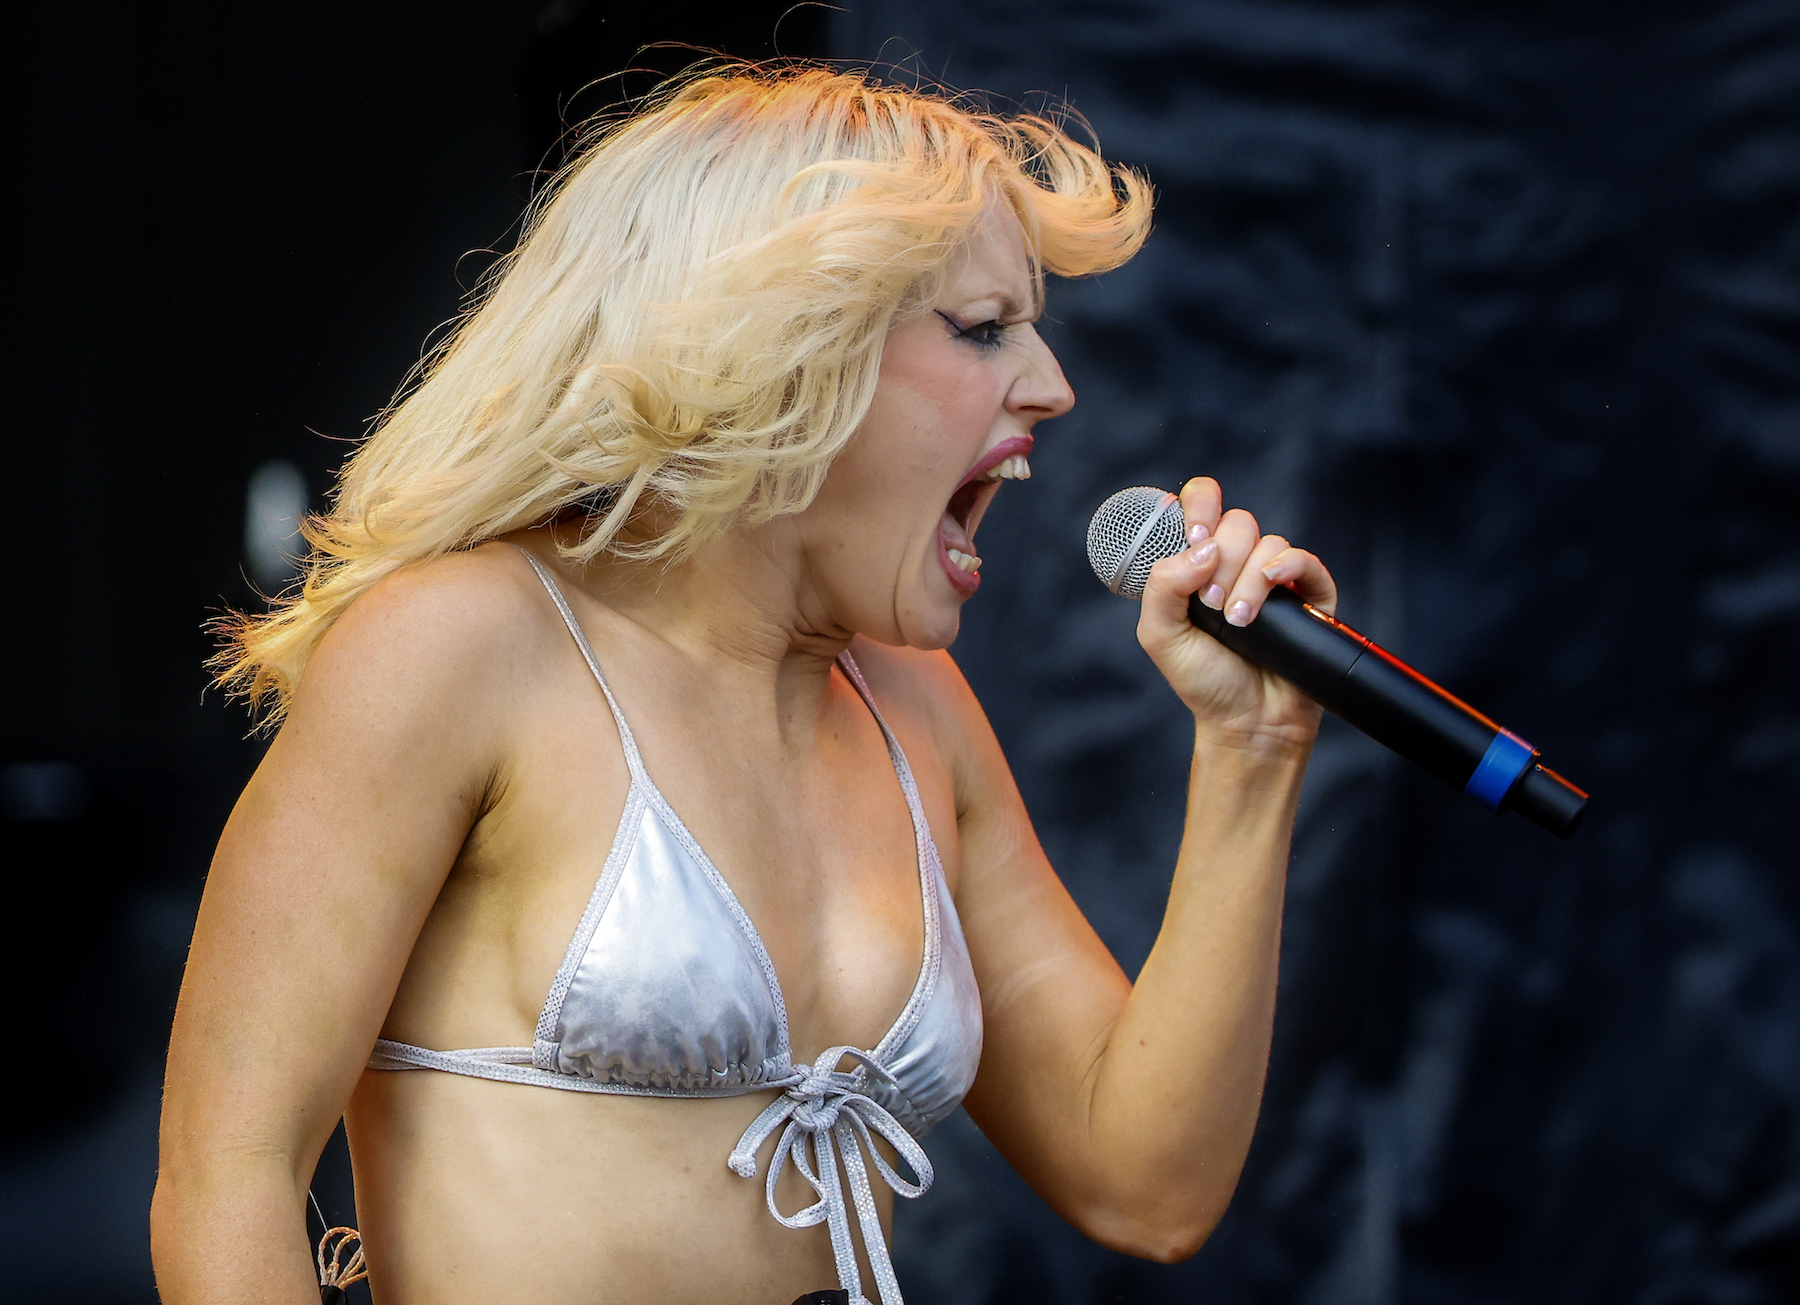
(969, 332)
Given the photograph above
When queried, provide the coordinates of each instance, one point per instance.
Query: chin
(937, 642)
(932, 630)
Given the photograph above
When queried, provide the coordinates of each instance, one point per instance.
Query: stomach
(472, 1190)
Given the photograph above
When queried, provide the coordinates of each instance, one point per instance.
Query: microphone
(1344, 672)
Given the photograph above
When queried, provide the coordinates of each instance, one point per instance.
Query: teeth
(963, 561)
(1013, 468)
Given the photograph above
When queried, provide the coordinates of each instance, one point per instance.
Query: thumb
(1172, 582)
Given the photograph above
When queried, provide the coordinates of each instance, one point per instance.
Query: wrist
(1249, 772)
(1256, 743)
(1242, 798)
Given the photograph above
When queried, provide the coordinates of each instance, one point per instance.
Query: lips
(969, 502)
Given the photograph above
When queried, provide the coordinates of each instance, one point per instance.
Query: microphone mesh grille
(1120, 523)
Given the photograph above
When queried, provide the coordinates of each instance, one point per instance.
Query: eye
(984, 335)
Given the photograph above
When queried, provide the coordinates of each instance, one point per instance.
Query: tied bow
(828, 1111)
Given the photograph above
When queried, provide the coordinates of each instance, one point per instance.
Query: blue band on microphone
(1499, 769)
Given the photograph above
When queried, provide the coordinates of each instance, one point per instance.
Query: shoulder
(454, 599)
(922, 684)
(443, 633)
(927, 691)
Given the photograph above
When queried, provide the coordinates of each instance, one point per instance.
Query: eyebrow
(1010, 308)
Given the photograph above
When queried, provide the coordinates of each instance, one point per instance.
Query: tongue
(951, 531)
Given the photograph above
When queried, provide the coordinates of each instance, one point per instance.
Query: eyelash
(983, 335)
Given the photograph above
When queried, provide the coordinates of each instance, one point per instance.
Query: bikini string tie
(825, 1115)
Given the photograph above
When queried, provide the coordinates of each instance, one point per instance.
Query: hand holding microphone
(1215, 559)
(1199, 569)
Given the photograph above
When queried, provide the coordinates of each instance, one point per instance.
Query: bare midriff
(470, 1190)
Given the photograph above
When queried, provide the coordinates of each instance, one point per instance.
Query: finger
(1201, 502)
(1174, 580)
(1254, 583)
(1236, 536)
(1306, 575)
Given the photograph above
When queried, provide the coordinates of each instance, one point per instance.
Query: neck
(740, 608)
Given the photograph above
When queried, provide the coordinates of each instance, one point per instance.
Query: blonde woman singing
(633, 869)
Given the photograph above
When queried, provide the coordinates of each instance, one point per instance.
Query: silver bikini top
(667, 990)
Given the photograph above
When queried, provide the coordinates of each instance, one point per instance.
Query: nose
(1041, 390)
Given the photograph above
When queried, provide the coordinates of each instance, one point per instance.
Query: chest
(813, 848)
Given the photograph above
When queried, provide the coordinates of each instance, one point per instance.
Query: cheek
(902, 455)
(931, 415)
(872, 502)
(946, 391)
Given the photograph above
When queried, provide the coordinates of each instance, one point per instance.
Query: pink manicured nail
(1197, 532)
(1213, 597)
(1276, 571)
(1204, 554)
(1239, 613)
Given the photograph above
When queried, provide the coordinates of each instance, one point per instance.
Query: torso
(468, 1187)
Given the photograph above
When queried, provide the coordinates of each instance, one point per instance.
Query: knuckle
(1238, 521)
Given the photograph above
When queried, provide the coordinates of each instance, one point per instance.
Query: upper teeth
(963, 561)
(1013, 468)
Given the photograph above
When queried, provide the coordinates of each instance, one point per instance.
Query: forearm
(1178, 1082)
(229, 1230)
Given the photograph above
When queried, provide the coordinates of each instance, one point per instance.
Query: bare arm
(1130, 1107)
(323, 878)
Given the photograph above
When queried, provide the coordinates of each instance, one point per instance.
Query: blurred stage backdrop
(1496, 306)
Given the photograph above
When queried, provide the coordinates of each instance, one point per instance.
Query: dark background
(1496, 306)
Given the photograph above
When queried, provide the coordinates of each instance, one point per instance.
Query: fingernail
(1239, 613)
(1213, 597)
(1276, 571)
(1197, 532)
(1204, 554)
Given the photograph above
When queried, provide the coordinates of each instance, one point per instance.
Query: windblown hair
(694, 318)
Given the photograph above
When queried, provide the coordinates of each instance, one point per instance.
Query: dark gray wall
(1495, 306)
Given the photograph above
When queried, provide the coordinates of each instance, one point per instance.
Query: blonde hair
(695, 316)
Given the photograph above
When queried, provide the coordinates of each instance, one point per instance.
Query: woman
(621, 631)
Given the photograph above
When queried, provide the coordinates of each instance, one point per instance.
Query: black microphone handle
(1370, 688)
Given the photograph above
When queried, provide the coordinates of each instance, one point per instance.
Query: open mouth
(962, 515)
